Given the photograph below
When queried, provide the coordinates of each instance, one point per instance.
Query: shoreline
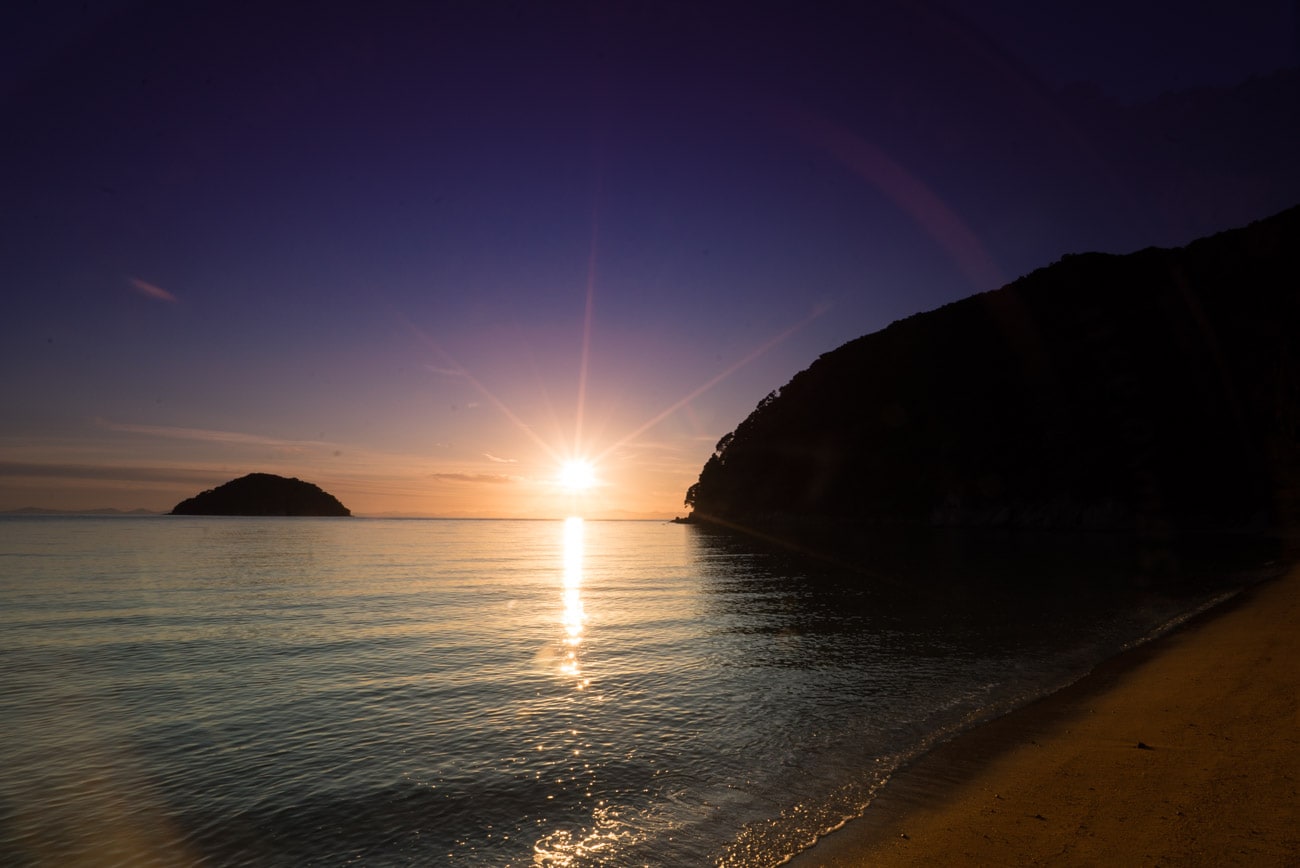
(1182, 750)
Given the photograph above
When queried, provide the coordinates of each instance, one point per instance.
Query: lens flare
(577, 475)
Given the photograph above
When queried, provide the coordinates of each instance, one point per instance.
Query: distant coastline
(105, 511)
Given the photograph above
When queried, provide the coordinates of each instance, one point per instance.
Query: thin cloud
(152, 291)
(126, 473)
(204, 435)
(490, 457)
(489, 478)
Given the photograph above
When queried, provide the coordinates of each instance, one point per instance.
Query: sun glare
(577, 475)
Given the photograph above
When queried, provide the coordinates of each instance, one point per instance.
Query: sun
(577, 475)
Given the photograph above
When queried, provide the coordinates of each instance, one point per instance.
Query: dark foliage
(1156, 389)
(262, 494)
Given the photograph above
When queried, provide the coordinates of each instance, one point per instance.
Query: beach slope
(1185, 751)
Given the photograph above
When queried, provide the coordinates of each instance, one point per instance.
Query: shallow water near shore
(413, 692)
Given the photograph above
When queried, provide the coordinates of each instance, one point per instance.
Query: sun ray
(585, 361)
(577, 472)
(485, 392)
(709, 384)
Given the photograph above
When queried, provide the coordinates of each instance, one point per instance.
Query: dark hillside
(263, 494)
(1156, 389)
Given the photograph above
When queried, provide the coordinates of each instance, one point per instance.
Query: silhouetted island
(263, 494)
(1159, 389)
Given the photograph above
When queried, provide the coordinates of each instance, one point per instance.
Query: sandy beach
(1185, 751)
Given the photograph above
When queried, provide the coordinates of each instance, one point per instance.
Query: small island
(263, 494)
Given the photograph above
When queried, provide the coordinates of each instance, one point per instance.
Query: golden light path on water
(609, 830)
(574, 617)
(577, 469)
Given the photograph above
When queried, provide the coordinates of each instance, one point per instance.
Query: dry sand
(1185, 751)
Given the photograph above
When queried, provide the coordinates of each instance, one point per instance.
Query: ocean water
(231, 691)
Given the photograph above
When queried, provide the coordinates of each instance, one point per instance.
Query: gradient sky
(419, 253)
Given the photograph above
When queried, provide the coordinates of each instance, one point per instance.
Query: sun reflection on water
(574, 616)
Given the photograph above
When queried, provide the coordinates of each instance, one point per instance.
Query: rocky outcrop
(263, 494)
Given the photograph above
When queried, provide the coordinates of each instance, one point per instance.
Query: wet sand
(1185, 751)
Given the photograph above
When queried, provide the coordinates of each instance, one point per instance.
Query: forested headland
(1158, 389)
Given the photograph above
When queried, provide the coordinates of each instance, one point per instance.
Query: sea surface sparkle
(240, 691)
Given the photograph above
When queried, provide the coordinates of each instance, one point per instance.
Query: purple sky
(420, 253)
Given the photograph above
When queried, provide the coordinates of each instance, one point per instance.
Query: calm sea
(229, 691)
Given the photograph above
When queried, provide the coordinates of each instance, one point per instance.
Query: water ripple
(266, 692)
